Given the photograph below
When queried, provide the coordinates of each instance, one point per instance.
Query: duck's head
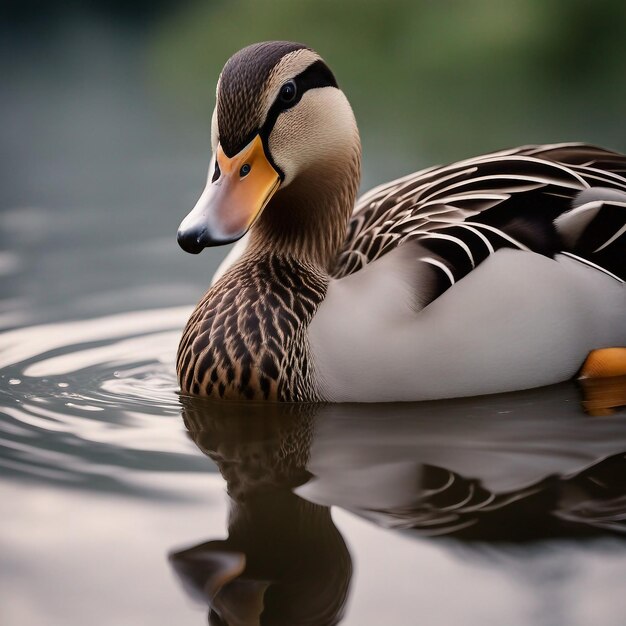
(286, 151)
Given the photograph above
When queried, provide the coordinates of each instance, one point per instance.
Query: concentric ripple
(82, 400)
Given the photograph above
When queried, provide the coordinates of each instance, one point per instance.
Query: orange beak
(232, 201)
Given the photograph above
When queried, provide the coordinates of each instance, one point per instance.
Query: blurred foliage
(430, 81)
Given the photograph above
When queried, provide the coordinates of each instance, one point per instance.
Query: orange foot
(604, 363)
(603, 381)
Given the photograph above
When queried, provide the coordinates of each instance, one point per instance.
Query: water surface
(508, 508)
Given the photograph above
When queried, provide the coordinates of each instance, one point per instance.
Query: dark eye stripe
(315, 76)
(246, 72)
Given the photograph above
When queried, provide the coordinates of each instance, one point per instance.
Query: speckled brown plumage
(247, 337)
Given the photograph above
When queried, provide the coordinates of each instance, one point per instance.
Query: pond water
(126, 504)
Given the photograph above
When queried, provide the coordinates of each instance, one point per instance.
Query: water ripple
(82, 398)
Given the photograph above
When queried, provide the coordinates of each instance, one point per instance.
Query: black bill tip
(192, 241)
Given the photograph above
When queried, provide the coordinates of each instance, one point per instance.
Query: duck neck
(307, 220)
(247, 338)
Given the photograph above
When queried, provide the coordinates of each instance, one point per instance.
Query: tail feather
(595, 228)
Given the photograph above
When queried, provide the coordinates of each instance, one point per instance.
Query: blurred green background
(429, 80)
(105, 117)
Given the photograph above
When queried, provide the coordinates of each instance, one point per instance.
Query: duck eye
(245, 170)
(288, 92)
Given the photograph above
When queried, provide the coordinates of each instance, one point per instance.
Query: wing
(521, 198)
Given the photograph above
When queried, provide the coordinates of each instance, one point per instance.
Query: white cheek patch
(321, 127)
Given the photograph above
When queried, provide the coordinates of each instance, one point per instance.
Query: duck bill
(233, 199)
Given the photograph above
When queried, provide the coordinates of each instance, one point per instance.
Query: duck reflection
(511, 467)
(284, 561)
(508, 468)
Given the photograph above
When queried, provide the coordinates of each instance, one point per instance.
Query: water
(502, 510)
(509, 508)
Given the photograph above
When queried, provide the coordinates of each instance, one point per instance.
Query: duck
(493, 274)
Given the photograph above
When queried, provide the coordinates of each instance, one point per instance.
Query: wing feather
(518, 198)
